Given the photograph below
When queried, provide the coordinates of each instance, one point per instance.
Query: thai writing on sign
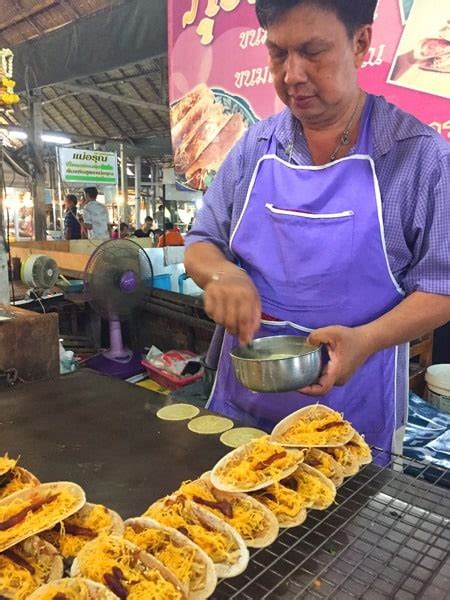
(205, 28)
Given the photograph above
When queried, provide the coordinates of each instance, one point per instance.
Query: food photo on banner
(422, 61)
(226, 84)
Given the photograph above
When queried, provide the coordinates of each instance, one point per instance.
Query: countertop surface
(103, 434)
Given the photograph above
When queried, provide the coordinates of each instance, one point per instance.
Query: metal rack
(386, 537)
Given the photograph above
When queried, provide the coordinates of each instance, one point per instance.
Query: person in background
(72, 226)
(170, 237)
(160, 220)
(95, 216)
(121, 232)
(124, 231)
(146, 230)
(330, 218)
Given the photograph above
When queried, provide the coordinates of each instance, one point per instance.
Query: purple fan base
(113, 368)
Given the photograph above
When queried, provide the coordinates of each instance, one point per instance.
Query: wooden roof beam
(74, 14)
(24, 14)
(94, 91)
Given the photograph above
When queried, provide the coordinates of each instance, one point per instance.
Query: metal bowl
(281, 363)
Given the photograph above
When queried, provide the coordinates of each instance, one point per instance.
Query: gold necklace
(345, 137)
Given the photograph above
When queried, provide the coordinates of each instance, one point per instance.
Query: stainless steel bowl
(281, 363)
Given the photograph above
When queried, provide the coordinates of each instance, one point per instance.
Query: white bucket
(438, 386)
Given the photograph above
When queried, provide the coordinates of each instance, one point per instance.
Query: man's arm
(87, 218)
(231, 299)
(349, 348)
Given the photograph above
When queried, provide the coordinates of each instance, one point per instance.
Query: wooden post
(37, 156)
(138, 188)
(124, 182)
(4, 280)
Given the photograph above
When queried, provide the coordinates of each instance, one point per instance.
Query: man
(170, 237)
(146, 230)
(330, 219)
(95, 216)
(72, 226)
(160, 217)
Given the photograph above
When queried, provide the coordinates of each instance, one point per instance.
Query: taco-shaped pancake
(126, 570)
(326, 464)
(15, 480)
(316, 490)
(287, 506)
(89, 522)
(313, 426)
(346, 458)
(254, 466)
(31, 511)
(359, 447)
(27, 566)
(188, 562)
(253, 521)
(76, 588)
(222, 543)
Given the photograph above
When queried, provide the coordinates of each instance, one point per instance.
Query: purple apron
(311, 238)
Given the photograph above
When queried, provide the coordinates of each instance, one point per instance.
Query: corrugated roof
(22, 20)
(125, 104)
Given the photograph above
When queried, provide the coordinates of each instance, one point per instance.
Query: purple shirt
(412, 163)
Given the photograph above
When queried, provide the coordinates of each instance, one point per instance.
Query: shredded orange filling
(106, 555)
(218, 545)
(97, 519)
(328, 429)
(246, 518)
(253, 464)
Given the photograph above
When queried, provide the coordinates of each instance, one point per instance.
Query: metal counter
(387, 536)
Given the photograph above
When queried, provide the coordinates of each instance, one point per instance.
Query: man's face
(314, 63)
(148, 225)
(69, 204)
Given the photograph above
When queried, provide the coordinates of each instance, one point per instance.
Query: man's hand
(348, 349)
(231, 300)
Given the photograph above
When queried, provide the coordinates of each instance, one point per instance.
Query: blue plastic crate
(162, 282)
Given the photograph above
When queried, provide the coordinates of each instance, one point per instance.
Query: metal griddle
(103, 434)
(387, 536)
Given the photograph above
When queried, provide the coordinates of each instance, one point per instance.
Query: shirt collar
(389, 125)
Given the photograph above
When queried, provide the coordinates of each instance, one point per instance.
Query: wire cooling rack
(386, 537)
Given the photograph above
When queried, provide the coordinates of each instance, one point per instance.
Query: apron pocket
(312, 254)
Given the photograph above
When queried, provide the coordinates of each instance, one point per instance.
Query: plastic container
(73, 287)
(169, 380)
(162, 282)
(438, 387)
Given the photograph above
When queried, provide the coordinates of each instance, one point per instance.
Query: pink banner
(220, 83)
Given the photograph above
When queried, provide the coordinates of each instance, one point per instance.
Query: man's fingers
(249, 320)
(323, 385)
(327, 335)
(232, 317)
(237, 308)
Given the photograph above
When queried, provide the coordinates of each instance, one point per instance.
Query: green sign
(88, 166)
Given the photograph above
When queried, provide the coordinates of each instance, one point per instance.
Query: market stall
(386, 535)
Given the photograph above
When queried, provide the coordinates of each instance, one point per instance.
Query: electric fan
(118, 275)
(40, 272)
